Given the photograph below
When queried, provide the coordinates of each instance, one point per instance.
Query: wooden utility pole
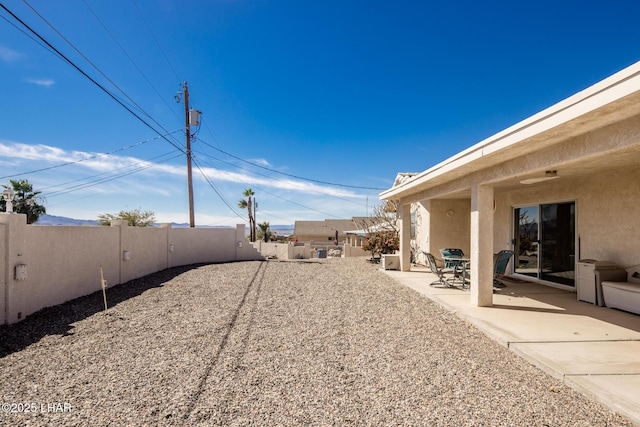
(254, 230)
(187, 125)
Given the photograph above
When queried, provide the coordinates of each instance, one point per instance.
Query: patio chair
(438, 271)
(500, 261)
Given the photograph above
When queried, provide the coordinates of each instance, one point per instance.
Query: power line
(279, 197)
(156, 40)
(130, 58)
(215, 189)
(85, 159)
(290, 175)
(103, 180)
(296, 203)
(114, 171)
(25, 33)
(138, 107)
(276, 179)
(76, 67)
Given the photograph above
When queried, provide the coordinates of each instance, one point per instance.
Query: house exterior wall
(422, 230)
(589, 143)
(450, 227)
(320, 238)
(62, 263)
(607, 209)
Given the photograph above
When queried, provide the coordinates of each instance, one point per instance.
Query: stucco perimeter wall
(62, 263)
(3, 271)
(280, 250)
(201, 245)
(143, 250)
(607, 212)
(42, 266)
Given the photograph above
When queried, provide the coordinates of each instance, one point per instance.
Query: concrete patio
(592, 349)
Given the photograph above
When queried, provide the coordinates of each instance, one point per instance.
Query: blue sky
(296, 96)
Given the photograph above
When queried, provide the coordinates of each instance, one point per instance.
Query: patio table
(460, 266)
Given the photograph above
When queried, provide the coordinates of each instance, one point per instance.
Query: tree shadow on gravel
(58, 320)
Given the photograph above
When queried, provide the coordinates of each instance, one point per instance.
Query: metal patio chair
(441, 272)
(500, 262)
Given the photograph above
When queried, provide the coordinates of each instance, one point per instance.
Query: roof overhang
(612, 100)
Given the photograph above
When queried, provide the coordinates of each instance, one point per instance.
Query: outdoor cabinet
(591, 273)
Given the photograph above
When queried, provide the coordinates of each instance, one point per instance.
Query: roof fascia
(612, 88)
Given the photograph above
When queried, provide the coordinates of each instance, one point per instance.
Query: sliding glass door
(544, 242)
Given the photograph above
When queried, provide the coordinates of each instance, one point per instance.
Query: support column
(481, 245)
(405, 237)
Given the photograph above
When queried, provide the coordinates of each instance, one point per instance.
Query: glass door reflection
(526, 220)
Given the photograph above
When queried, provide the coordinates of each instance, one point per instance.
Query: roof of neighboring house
(327, 227)
(403, 177)
(370, 229)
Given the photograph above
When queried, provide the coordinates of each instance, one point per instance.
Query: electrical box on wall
(21, 272)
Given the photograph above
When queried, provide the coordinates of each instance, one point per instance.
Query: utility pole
(255, 223)
(187, 125)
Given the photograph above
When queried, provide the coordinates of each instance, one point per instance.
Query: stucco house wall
(452, 229)
(588, 144)
(607, 209)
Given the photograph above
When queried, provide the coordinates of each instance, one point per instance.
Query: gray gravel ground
(310, 343)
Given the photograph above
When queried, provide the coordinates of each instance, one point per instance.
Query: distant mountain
(282, 230)
(60, 220)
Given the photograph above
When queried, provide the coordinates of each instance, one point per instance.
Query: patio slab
(583, 358)
(618, 392)
(592, 349)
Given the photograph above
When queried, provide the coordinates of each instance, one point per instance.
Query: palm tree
(247, 204)
(266, 233)
(26, 201)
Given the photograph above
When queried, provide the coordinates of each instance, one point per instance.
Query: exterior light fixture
(8, 195)
(551, 174)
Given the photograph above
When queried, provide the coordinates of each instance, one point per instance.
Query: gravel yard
(315, 342)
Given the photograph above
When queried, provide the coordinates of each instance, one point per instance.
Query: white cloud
(41, 82)
(121, 164)
(9, 55)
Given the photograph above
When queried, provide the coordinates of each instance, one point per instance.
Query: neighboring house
(560, 186)
(322, 231)
(364, 226)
